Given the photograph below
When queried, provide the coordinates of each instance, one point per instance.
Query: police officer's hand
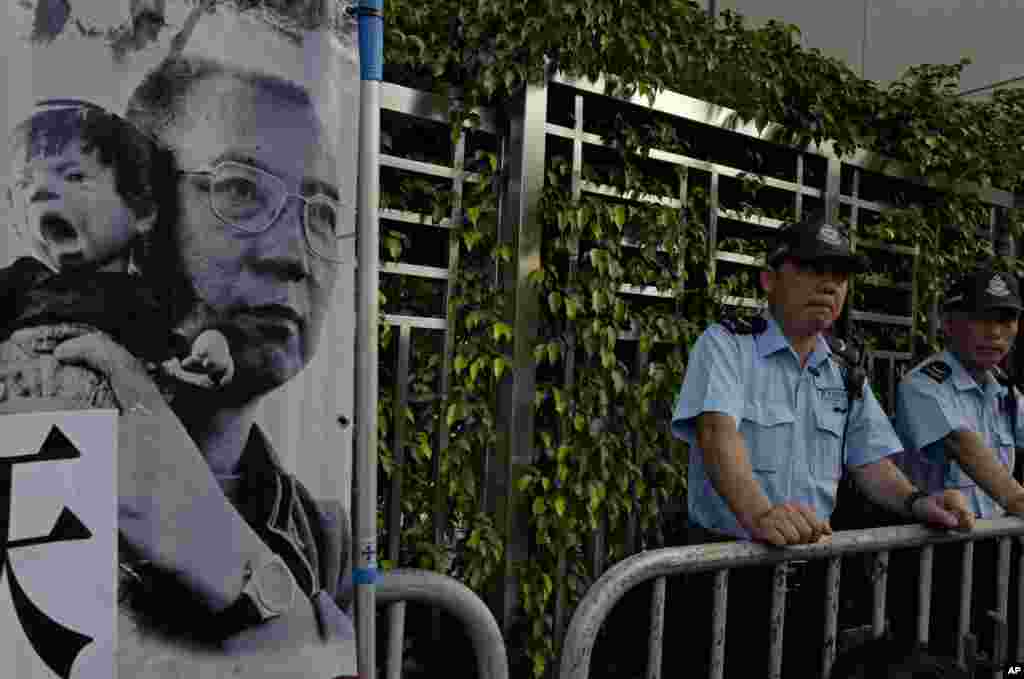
(790, 523)
(947, 509)
(1016, 505)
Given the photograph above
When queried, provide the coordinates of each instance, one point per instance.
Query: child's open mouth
(57, 230)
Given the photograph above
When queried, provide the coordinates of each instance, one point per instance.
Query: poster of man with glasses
(178, 237)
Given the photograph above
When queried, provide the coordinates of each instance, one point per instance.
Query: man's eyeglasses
(251, 200)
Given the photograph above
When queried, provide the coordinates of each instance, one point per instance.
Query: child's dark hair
(117, 143)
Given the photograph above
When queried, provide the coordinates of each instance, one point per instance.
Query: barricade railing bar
(659, 564)
(400, 586)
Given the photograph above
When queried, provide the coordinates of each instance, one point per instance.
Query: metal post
(924, 594)
(719, 617)
(520, 225)
(657, 637)
(777, 621)
(831, 615)
(879, 580)
(964, 620)
(371, 52)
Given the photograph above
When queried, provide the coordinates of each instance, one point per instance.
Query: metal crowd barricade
(721, 558)
(396, 587)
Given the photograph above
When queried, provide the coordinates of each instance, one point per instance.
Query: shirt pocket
(827, 457)
(767, 429)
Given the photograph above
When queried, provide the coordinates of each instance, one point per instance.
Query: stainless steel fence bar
(569, 355)
(396, 613)
(682, 106)
(924, 592)
(964, 626)
(458, 600)
(651, 564)
(777, 622)
(1002, 601)
(657, 639)
(719, 617)
(828, 655)
(879, 580)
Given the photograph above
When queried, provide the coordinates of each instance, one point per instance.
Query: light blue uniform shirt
(927, 410)
(791, 419)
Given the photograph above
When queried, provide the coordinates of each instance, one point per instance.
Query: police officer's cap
(815, 239)
(984, 289)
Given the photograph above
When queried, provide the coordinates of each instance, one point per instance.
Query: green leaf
(561, 405)
(555, 301)
(553, 352)
(619, 215)
(460, 363)
(473, 214)
(560, 505)
(539, 506)
(501, 330)
(580, 423)
(572, 305)
(499, 366)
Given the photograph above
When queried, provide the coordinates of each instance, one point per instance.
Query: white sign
(58, 593)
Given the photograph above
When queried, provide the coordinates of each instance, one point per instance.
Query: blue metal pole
(371, 60)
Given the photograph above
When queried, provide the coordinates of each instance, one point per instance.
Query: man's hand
(790, 523)
(1016, 505)
(947, 509)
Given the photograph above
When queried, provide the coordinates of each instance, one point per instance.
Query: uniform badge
(830, 236)
(997, 287)
(938, 371)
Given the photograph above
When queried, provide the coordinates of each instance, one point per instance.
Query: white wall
(902, 33)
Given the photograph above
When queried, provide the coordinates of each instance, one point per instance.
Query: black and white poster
(176, 322)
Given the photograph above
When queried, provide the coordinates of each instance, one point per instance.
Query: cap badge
(997, 287)
(830, 236)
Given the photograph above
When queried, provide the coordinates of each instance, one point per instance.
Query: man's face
(982, 339)
(807, 296)
(73, 215)
(268, 284)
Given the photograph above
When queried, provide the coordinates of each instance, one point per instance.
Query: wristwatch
(911, 499)
(269, 592)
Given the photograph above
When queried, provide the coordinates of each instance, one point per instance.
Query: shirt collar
(772, 340)
(963, 380)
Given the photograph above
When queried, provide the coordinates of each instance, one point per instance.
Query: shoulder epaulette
(738, 325)
(938, 371)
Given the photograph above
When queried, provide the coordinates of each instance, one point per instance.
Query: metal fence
(722, 559)
(564, 117)
(398, 587)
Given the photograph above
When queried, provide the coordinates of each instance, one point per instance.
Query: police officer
(960, 421)
(772, 423)
(768, 417)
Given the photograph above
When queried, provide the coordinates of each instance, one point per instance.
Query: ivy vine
(609, 363)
